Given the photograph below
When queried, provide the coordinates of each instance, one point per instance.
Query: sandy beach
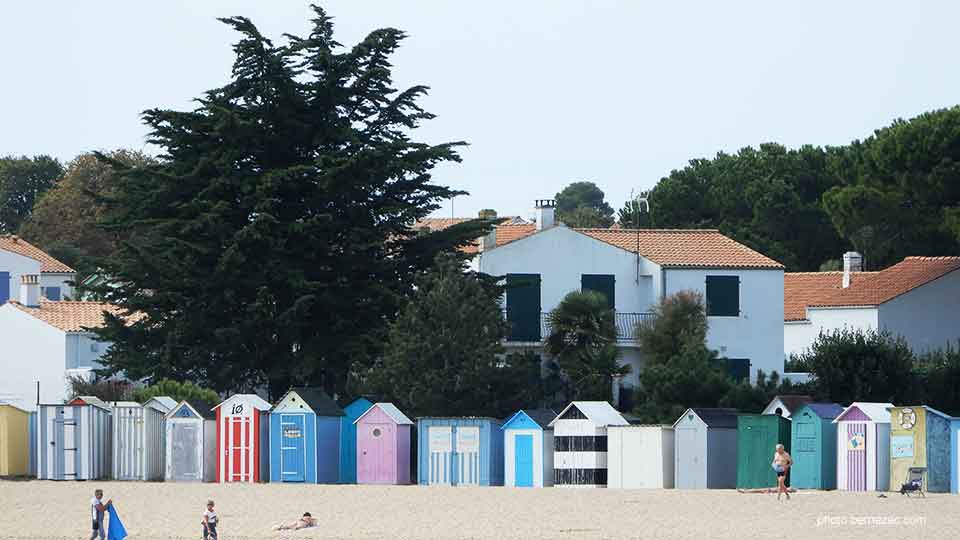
(58, 510)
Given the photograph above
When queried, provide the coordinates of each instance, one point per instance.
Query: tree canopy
(271, 243)
(581, 204)
(23, 180)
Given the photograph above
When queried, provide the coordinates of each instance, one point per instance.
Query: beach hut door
(441, 452)
(468, 455)
(689, 472)
(186, 451)
(241, 454)
(65, 449)
(523, 460)
(856, 437)
(805, 449)
(292, 448)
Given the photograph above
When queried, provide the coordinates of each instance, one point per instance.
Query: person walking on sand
(97, 509)
(781, 464)
(210, 522)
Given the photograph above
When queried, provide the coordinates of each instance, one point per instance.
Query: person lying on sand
(304, 522)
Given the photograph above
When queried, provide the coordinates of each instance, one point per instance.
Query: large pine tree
(271, 243)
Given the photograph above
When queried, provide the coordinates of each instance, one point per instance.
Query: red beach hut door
(857, 457)
(240, 449)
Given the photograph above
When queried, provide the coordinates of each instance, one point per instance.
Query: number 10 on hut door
(238, 445)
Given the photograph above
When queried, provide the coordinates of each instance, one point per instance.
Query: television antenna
(641, 203)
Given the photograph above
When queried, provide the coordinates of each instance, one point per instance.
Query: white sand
(48, 510)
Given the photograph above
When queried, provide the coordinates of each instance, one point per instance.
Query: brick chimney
(545, 213)
(852, 262)
(30, 290)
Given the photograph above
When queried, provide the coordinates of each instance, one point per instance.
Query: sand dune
(58, 510)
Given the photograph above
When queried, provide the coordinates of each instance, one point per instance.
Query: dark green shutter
(601, 283)
(523, 306)
(737, 368)
(723, 296)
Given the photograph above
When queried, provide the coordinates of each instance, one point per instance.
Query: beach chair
(914, 483)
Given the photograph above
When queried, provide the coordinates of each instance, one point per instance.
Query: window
(51, 293)
(737, 368)
(523, 307)
(601, 283)
(723, 296)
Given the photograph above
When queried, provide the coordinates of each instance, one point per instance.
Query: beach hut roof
(928, 408)
(124, 403)
(202, 408)
(319, 402)
(89, 400)
(11, 405)
(877, 412)
(161, 403)
(600, 413)
(714, 417)
(390, 410)
(254, 400)
(541, 417)
(791, 401)
(827, 411)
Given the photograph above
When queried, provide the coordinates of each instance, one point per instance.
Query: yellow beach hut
(14, 441)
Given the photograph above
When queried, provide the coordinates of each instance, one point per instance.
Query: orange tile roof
(48, 264)
(69, 315)
(439, 224)
(684, 248)
(510, 233)
(823, 289)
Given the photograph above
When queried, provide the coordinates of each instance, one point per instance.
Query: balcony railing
(626, 324)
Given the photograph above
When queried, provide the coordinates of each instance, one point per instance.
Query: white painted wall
(757, 333)
(561, 256)
(83, 351)
(32, 351)
(58, 280)
(928, 317)
(798, 336)
(17, 265)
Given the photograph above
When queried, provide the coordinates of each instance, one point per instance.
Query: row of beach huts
(307, 438)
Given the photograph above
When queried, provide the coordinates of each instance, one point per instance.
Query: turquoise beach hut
(348, 439)
(814, 446)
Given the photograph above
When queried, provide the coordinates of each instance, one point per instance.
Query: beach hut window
(376, 432)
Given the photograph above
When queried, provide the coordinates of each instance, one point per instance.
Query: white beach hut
(640, 456)
(863, 447)
(528, 448)
(191, 443)
(138, 435)
(74, 440)
(580, 443)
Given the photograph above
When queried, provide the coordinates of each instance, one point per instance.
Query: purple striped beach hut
(863, 447)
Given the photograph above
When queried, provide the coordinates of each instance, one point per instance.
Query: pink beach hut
(863, 447)
(383, 445)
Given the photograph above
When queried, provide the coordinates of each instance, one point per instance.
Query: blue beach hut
(305, 438)
(528, 448)
(955, 455)
(814, 446)
(460, 451)
(348, 439)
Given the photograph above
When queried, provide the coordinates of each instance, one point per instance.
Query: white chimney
(488, 241)
(30, 290)
(852, 262)
(544, 209)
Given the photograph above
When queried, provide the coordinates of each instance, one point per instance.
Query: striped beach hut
(348, 439)
(384, 436)
(460, 451)
(705, 449)
(580, 443)
(243, 434)
(863, 447)
(138, 439)
(814, 446)
(14, 441)
(74, 440)
(191, 443)
(920, 438)
(528, 448)
(305, 437)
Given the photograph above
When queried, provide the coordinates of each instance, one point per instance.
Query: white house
(44, 342)
(19, 258)
(635, 269)
(917, 298)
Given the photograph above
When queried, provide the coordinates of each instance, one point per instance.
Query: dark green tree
(634, 215)
(583, 339)
(443, 354)
(271, 244)
(23, 181)
(679, 320)
(855, 365)
(581, 204)
(179, 391)
(938, 375)
(691, 378)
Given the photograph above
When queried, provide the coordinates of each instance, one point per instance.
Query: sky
(545, 92)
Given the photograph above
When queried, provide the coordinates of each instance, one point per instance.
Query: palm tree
(583, 338)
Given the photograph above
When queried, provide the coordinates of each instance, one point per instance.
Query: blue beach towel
(115, 529)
